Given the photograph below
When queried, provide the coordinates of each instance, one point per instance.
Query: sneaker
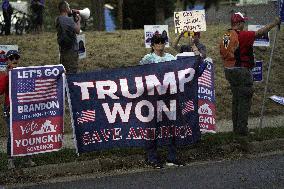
(155, 165)
(11, 164)
(175, 163)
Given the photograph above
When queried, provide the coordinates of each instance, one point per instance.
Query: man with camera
(67, 26)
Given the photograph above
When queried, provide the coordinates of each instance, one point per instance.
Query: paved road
(257, 172)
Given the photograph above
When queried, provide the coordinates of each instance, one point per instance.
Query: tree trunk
(160, 12)
(120, 14)
(98, 15)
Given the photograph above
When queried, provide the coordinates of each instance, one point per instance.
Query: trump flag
(133, 106)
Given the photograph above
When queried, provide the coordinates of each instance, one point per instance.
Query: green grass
(126, 48)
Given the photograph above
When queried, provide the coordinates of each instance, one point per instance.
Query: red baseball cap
(238, 17)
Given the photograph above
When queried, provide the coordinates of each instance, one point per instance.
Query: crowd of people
(235, 48)
(36, 7)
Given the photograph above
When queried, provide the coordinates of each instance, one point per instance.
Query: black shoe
(174, 163)
(155, 165)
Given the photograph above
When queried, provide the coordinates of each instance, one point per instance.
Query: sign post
(281, 14)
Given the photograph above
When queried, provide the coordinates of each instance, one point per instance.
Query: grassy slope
(126, 48)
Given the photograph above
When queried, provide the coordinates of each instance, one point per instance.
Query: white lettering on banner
(84, 89)
(170, 113)
(38, 107)
(124, 113)
(117, 109)
(29, 74)
(109, 88)
(138, 111)
(125, 89)
(164, 132)
(202, 90)
(183, 79)
(40, 148)
(39, 140)
(102, 91)
(51, 72)
(89, 138)
(206, 120)
(152, 82)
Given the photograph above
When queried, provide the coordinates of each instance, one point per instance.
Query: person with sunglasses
(158, 55)
(13, 58)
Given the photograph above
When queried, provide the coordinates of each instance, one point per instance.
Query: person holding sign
(158, 55)
(236, 49)
(13, 58)
(194, 44)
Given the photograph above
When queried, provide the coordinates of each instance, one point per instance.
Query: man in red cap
(236, 49)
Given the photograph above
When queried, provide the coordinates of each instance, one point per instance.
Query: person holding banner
(13, 58)
(194, 44)
(236, 49)
(67, 29)
(158, 55)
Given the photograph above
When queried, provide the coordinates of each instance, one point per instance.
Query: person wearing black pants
(7, 14)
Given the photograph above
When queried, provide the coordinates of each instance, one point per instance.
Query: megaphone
(85, 13)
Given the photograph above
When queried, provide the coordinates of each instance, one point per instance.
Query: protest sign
(37, 108)
(262, 41)
(150, 30)
(3, 51)
(128, 107)
(257, 71)
(206, 99)
(81, 40)
(190, 21)
(278, 99)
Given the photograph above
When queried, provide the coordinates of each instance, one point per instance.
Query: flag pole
(267, 79)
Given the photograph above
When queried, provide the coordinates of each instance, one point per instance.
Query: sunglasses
(14, 57)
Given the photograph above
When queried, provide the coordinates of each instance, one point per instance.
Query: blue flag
(131, 106)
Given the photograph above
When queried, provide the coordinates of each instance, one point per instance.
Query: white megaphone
(85, 13)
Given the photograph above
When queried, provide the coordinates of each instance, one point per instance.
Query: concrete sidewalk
(222, 126)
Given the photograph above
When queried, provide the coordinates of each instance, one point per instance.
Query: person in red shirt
(238, 61)
(13, 58)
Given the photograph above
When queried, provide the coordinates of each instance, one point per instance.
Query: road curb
(40, 173)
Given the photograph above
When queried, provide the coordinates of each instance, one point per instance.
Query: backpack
(65, 39)
(230, 50)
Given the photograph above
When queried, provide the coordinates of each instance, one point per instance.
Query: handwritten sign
(190, 21)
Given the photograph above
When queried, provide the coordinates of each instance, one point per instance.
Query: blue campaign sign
(37, 108)
(257, 71)
(281, 10)
(132, 106)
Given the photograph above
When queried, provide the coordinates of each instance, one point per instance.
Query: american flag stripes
(86, 116)
(36, 90)
(187, 106)
(205, 79)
